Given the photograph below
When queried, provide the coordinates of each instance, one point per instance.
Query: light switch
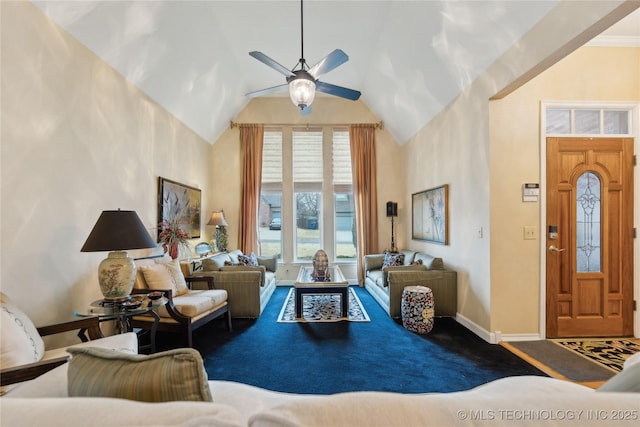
(530, 232)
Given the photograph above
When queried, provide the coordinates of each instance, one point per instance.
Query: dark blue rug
(326, 358)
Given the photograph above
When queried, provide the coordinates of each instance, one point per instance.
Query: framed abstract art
(430, 218)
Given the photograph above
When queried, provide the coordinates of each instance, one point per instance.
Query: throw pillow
(251, 260)
(416, 262)
(165, 275)
(20, 342)
(392, 260)
(627, 380)
(161, 377)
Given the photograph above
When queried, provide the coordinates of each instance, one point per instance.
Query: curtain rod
(378, 125)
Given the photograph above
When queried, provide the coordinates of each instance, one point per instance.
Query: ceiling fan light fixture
(302, 89)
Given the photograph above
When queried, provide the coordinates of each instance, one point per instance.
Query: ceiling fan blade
(328, 63)
(271, 63)
(269, 90)
(340, 91)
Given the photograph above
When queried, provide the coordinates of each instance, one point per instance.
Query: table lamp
(217, 219)
(117, 231)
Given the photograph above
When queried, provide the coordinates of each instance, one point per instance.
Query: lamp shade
(118, 231)
(217, 218)
(302, 89)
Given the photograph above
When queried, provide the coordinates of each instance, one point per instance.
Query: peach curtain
(251, 139)
(365, 193)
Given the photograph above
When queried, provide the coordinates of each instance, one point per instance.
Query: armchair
(23, 353)
(187, 309)
(32, 370)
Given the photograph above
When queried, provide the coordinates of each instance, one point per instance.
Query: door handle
(554, 249)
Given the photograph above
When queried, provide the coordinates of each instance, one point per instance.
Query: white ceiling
(408, 58)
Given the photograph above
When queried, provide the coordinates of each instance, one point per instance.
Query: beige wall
(225, 163)
(457, 148)
(77, 139)
(589, 74)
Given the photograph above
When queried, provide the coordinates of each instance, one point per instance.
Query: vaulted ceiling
(408, 58)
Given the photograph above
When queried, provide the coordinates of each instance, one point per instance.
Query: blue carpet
(326, 358)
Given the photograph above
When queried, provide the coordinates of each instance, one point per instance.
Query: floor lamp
(392, 211)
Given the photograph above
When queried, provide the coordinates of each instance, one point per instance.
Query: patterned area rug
(610, 353)
(322, 308)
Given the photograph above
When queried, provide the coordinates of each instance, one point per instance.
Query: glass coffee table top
(306, 280)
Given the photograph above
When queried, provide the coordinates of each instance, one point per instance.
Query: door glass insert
(588, 223)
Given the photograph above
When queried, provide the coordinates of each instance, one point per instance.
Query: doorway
(589, 240)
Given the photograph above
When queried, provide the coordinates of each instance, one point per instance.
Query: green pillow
(628, 380)
(166, 376)
(270, 263)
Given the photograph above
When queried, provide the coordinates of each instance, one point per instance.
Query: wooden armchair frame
(183, 324)
(30, 371)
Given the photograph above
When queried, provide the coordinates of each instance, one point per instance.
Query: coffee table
(337, 285)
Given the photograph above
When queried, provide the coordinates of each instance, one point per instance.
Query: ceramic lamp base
(221, 238)
(116, 275)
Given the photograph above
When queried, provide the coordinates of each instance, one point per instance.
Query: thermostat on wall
(530, 192)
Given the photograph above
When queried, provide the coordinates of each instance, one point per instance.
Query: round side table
(118, 311)
(417, 309)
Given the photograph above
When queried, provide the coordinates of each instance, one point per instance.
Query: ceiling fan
(302, 81)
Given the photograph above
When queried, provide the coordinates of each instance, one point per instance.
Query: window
(344, 219)
(312, 200)
(588, 121)
(270, 209)
(308, 168)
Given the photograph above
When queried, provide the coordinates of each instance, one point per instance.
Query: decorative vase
(116, 275)
(174, 250)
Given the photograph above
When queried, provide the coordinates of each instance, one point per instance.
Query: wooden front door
(589, 237)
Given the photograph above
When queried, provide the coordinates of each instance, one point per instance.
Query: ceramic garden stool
(417, 309)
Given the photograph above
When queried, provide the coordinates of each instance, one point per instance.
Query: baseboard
(291, 282)
(494, 337)
(521, 337)
(285, 282)
(476, 329)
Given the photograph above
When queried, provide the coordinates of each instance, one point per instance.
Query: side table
(417, 308)
(121, 312)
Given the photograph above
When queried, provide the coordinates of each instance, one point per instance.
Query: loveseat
(521, 401)
(386, 282)
(249, 280)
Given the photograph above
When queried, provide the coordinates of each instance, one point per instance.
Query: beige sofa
(386, 284)
(249, 287)
(513, 401)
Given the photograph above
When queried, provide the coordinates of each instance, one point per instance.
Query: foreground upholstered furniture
(187, 308)
(23, 352)
(514, 401)
(249, 286)
(386, 283)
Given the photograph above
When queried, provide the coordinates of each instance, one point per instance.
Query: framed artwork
(181, 202)
(431, 215)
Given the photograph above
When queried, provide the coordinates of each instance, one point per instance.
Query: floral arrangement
(172, 234)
